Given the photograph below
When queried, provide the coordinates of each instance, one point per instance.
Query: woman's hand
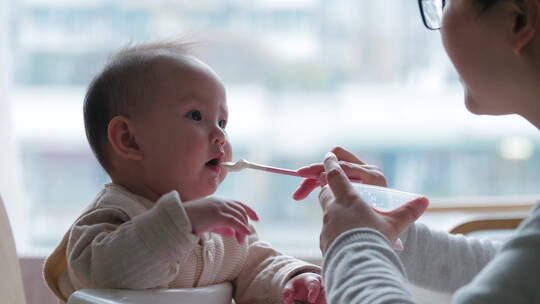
(344, 209)
(352, 166)
(225, 217)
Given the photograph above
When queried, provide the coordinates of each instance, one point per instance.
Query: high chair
(215, 294)
(11, 285)
(487, 223)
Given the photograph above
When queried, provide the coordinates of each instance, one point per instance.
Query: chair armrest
(487, 223)
(214, 294)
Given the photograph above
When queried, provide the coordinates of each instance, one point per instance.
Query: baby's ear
(121, 135)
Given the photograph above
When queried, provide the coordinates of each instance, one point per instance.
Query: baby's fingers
(250, 212)
(322, 297)
(230, 232)
(288, 294)
(237, 212)
(224, 231)
(314, 289)
(240, 238)
(237, 225)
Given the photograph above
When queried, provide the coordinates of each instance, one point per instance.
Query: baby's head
(155, 118)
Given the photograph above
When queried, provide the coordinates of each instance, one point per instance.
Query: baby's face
(182, 134)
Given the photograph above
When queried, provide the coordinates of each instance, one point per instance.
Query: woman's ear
(122, 137)
(526, 21)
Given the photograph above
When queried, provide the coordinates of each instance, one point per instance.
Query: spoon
(381, 198)
(244, 164)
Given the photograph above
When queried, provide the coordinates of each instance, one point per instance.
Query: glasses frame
(424, 16)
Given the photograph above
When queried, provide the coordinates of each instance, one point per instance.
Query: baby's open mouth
(213, 162)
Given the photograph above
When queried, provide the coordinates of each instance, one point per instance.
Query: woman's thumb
(405, 215)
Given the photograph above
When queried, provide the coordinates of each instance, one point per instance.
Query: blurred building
(302, 76)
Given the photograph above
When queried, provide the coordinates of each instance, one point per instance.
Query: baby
(155, 118)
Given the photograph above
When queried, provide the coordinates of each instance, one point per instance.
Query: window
(302, 76)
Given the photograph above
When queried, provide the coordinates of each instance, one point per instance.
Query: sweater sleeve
(513, 276)
(443, 262)
(265, 273)
(107, 249)
(361, 267)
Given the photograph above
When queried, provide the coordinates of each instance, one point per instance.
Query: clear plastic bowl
(384, 199)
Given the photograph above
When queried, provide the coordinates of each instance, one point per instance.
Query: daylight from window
(301, 76)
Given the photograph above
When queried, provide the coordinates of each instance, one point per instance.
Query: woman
(495, 46)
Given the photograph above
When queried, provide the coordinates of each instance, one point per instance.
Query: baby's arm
(107, 249)
(443, 262)
(265, 274)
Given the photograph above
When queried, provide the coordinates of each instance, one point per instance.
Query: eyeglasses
(431, 11)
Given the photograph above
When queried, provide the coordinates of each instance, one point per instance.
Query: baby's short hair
(121, 87)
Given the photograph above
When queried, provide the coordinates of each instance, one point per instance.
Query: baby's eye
(195, 115)
(222, 123)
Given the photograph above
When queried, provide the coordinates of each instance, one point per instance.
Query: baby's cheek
(228, 151)
(228, 157)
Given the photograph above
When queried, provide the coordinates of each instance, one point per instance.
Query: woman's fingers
(325, 197)
(315, 170)
(343, 154)
(352, 166)
(370, 175)
(338, 182)
(305, 189)
(316, 177)
(311, 171)
(405, 215)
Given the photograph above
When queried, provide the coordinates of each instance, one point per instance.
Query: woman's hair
(485, 5)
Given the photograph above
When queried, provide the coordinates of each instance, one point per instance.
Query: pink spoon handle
(294, 173)
(281, 171)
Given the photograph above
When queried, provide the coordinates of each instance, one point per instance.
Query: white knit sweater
(126, 241)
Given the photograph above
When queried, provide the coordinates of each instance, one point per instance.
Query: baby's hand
(226, 217)
(305, 288)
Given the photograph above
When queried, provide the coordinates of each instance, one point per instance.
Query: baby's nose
(220, 141)
(219, 137)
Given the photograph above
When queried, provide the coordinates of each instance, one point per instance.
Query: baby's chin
(202, 188)
(222, 176)
(207, 190)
